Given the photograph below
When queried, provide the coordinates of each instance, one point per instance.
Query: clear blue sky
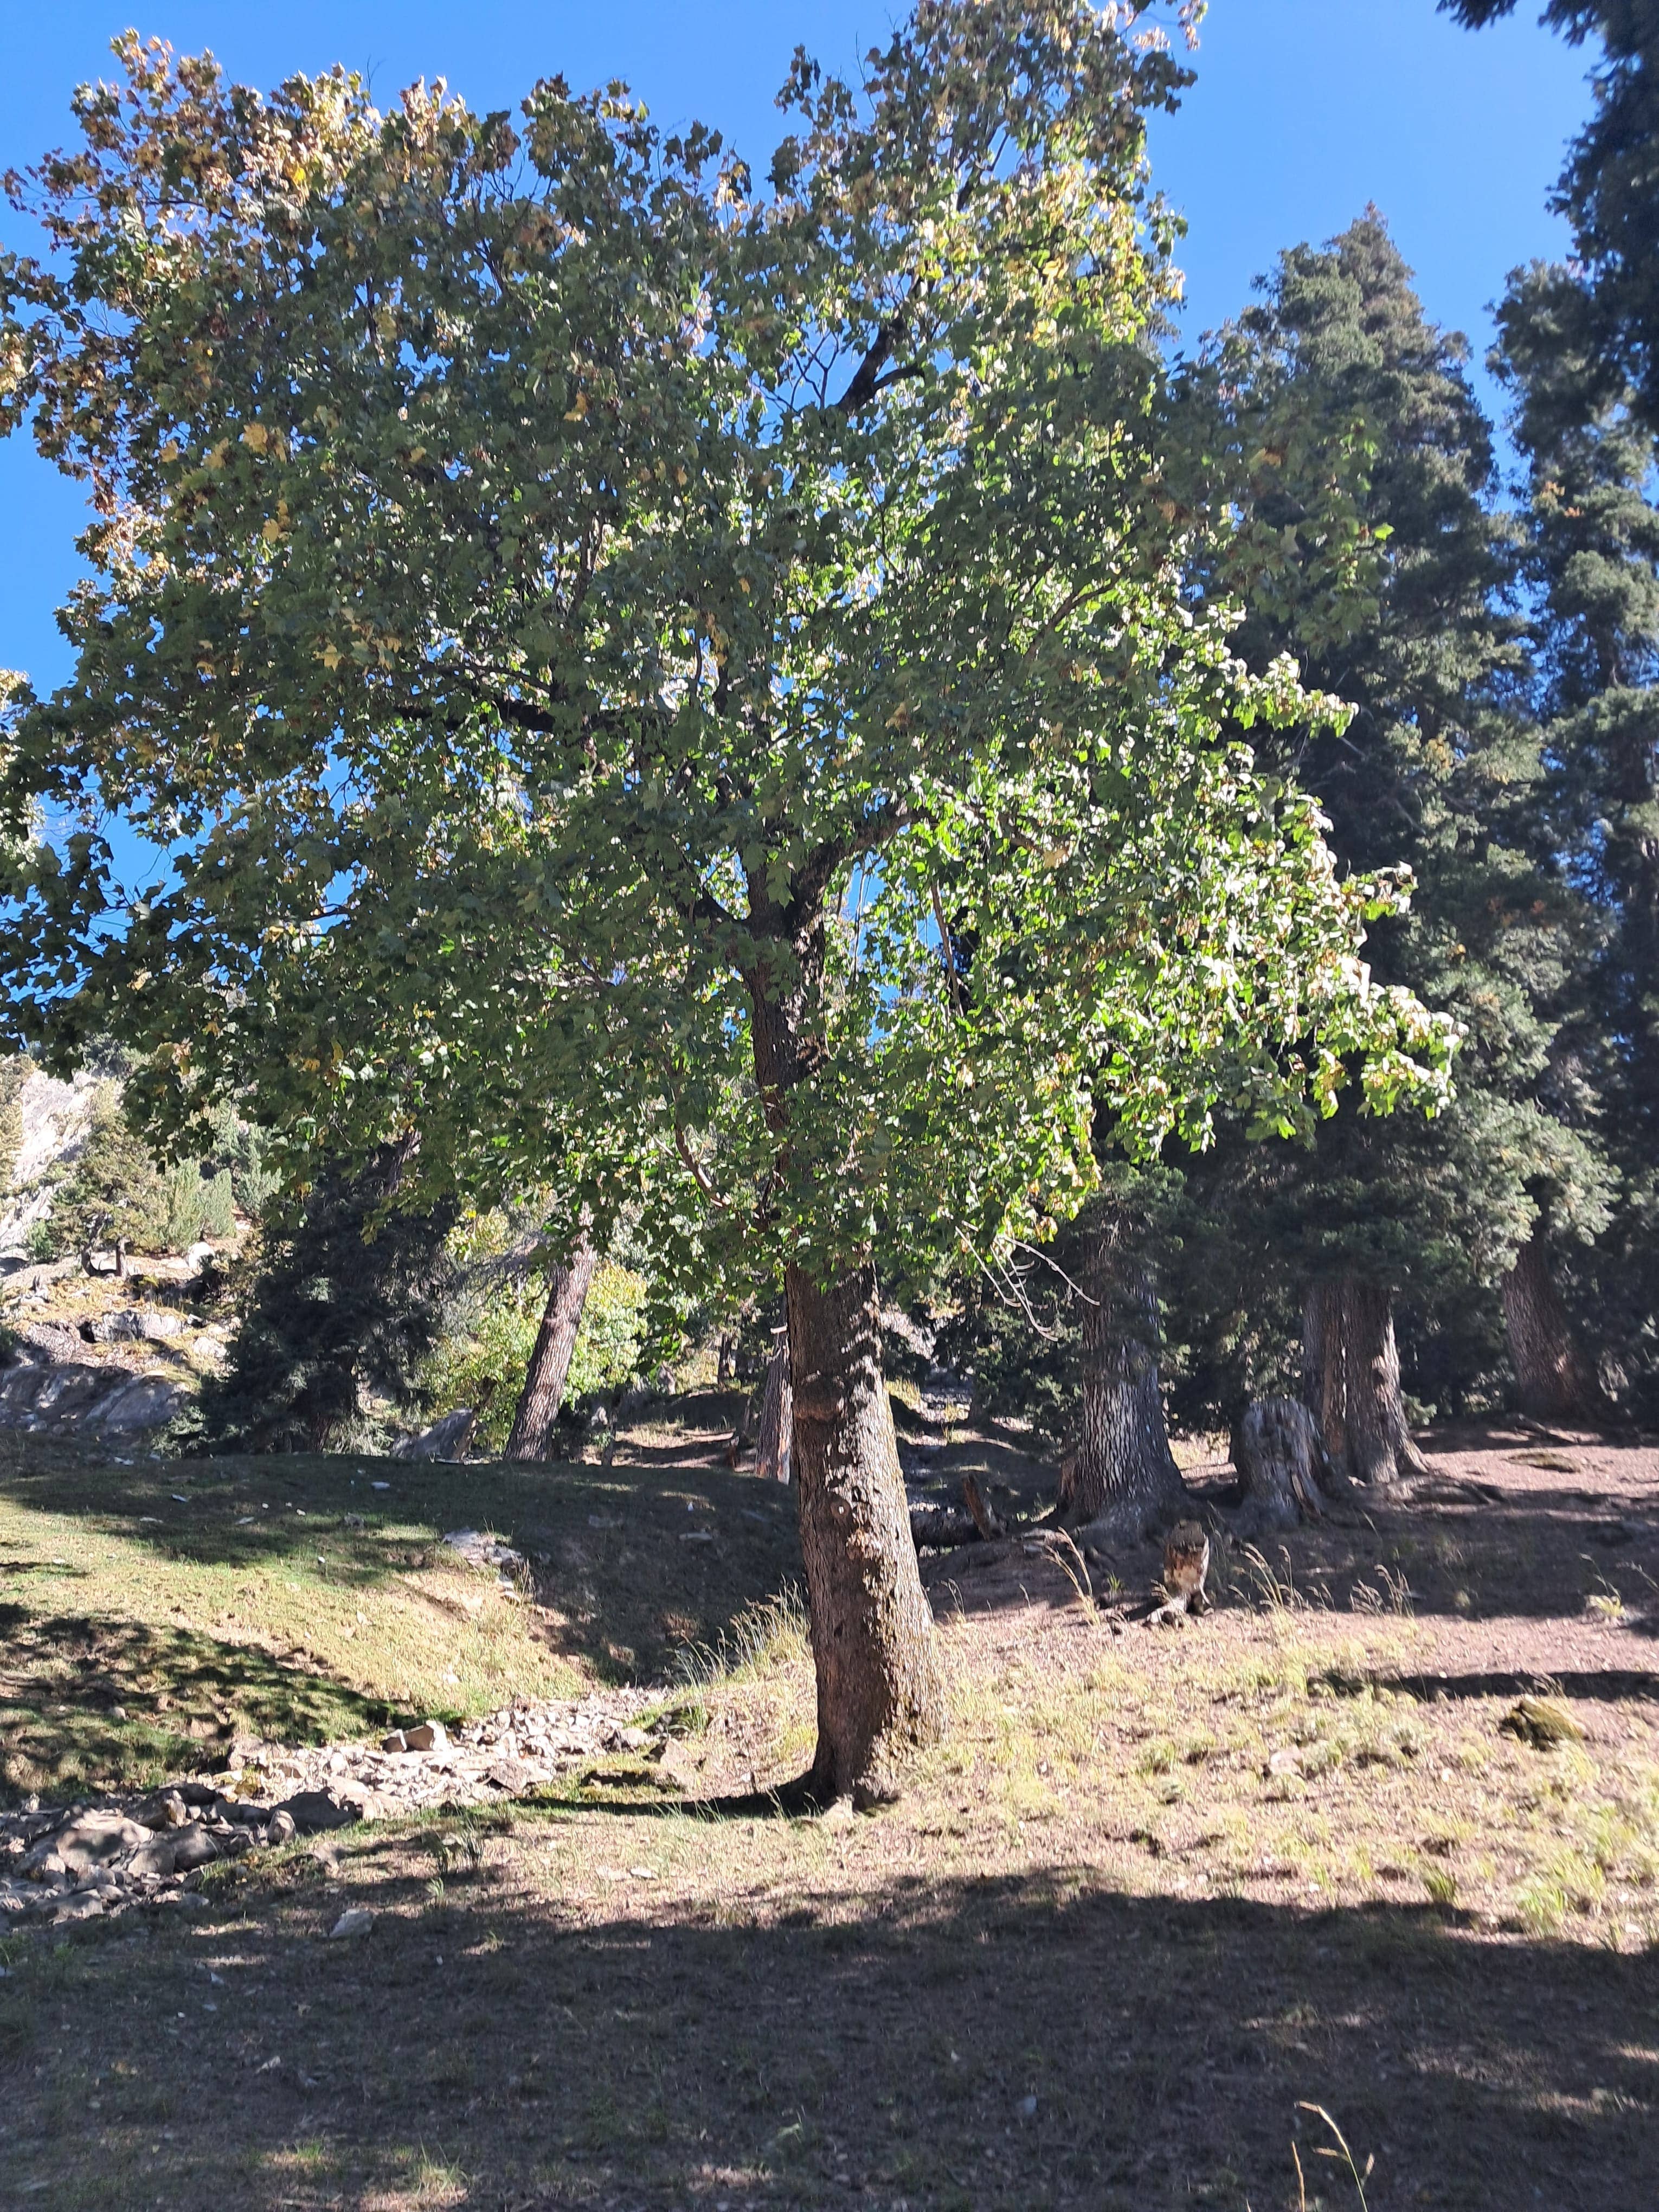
(1305, 109)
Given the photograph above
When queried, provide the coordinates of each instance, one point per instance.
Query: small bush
(485, 1351)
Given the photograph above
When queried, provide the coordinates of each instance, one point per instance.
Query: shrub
(485, 1350)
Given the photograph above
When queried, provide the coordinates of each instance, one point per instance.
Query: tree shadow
(997, 2042)
(88, 1704)
(630, 1563)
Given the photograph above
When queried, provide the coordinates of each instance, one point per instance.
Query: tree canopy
(551, 595)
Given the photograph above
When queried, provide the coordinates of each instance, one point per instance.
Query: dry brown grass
(1156, 1898)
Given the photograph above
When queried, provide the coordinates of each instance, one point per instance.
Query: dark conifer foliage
(1609, 189)
(1436, 772)
(1593, 558)
(349, 1302)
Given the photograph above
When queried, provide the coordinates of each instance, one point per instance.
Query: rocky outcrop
(138, 1325)
(64, 1399)
(56, 1117)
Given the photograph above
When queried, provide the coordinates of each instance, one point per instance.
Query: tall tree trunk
(1122, 1461)
(1555, 1383)
(550, 1362)
(775, 1450)
(1351, 1375)
(878, 1685)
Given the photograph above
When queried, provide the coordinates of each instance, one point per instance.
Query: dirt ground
(1156, 1894)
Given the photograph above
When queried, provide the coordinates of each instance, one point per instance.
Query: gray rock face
(445, 1439)
(69, 1398)
(136, 1325)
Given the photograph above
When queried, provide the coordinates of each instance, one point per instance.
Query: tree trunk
(1351, 1372)
(777, 1416)
(1554, 1382)
(1276, 1455)
(878, 1685)
(550, 1362)
(1123, 1463)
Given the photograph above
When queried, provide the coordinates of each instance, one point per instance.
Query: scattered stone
(150, 1851)
(481, 1551)
(1284, 1762)
(354, 1922)
(314, 1811)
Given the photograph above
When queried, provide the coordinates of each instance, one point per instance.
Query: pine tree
(1348, 412)
(1594, 556)
(350, 1302)
(1609, 189)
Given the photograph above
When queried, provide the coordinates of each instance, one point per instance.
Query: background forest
(1483, 597)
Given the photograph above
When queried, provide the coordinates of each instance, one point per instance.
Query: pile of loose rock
(86, 1862)
(508, 1754)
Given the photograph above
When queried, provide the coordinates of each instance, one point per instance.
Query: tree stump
(1279, 1458)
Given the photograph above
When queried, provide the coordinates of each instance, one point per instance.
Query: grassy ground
(152, 1612)
(1152, 1895)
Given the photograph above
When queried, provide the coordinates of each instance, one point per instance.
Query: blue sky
(1304, 111)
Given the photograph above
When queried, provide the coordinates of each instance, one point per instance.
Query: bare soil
(1156, 1894)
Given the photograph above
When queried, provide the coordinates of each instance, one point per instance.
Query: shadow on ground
(67, 1680)
(1032, 2042)
(633, 1561)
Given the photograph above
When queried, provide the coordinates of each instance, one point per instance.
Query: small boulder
(354, 1922)
(313, 1811)
(1541, 1722)
(194, 1847)
(167, 1809)
(282, 1827)
(89, 1841)
(84, 1905)
(429, 1736)
(394, 1740)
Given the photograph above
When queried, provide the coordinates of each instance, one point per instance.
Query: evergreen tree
(1594, 554)
(1609, 189)
(1346, 414)
(349, 1303)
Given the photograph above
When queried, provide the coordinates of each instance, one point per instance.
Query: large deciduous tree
(540, 570)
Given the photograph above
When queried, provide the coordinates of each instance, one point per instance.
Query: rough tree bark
(1556, 1382)
(1351, 1377)
(873, 1631)
(550, 1362)
(775, 1450)
(1277, 1456)
(1121, 1463)
(879, 1692)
